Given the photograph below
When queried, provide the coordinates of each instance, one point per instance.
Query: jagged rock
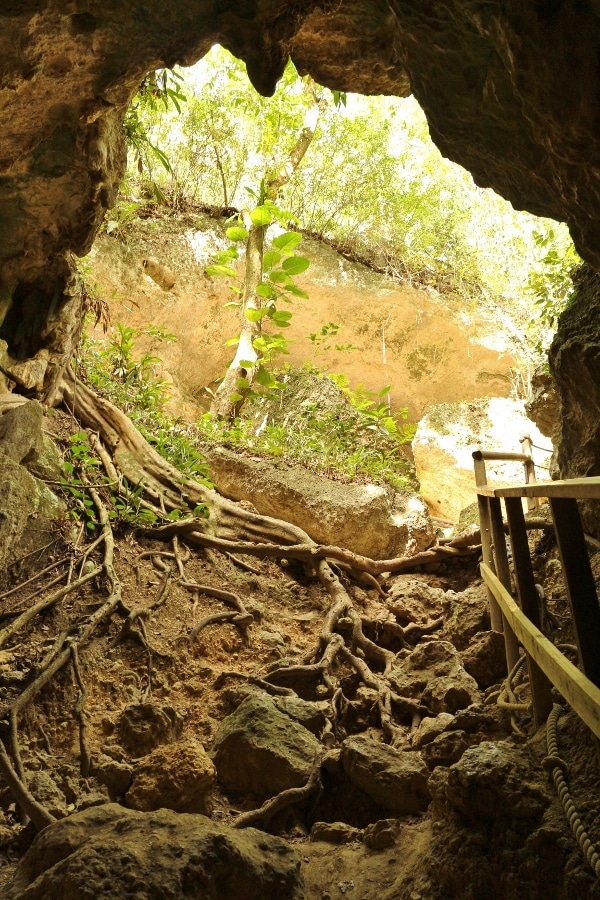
(395, 779)
(446, 438)
(112, 852)
(115, 775)
(446, 748)
(23, 439)
(485, 658)
(178, 776)
(429, 728)
(434, 673)
(542, 406)
(412, 600)
(490, 781)
(371, 520)
(382, 834)
(260, 750)
(143, 726)
(28, 511)
(311, 714)
(574, 365)
(465, 615)
(47, 792)
(335, 833)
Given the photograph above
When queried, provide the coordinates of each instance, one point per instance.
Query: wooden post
(528, 601)
(529, 468)
(486, 537)
(511, 643)
(581, 589)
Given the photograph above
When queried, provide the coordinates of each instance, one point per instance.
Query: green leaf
(279, 276)
(265, 378)
(261, 216)
(235, 398)
(296, 291)
(281, 318)
(255, 315)
(232, 342)
(221, 271)
(236, 233)
(242, 383)
(271, 258)
(246, 363)
(267, 291)
(295, 265)
(287, 242)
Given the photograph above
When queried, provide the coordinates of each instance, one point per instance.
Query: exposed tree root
(260, 818)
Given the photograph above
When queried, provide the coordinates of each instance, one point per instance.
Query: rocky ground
(204, 696)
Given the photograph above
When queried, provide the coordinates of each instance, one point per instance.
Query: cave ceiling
(510, 88)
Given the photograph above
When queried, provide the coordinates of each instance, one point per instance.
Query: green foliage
(113, 368)
(78, 465)
(355, 439)
(550, 283)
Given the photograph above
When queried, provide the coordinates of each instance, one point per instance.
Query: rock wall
(428, 346)
(510, 91)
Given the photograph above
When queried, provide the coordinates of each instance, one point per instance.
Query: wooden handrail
(581, 694)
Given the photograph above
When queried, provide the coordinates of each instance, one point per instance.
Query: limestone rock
(368, 519)
(542, 406)
(177, 776)
(23, 439)
(47, 792)
(28, 510)
(446, 748)
(485, 658)
(382, 834)
(465, 615)
(412, 600)
(112, 852)
(446, 438)
(335, 833)
(144, 726)
(492, 780)
(112, 773)
(429, 728)
(260, 750)
(311, 714)
(395, 779)
(434, 673)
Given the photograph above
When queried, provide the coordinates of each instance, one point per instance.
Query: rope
(507, 698)
(558, 768)
(537, 447)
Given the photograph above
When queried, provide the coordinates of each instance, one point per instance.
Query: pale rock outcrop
(368, 519)
(446, 438)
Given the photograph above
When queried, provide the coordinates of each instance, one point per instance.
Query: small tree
(268, 276)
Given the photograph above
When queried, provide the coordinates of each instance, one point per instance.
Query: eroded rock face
(110, 851)
(177, 776)
(434, 672)
(510, 91)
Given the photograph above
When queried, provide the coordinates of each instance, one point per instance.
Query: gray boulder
(395, 779)
(434, 673)
(260, 750)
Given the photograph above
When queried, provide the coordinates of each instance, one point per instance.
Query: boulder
(335, 833)
(434, 673)
(446, 438)
(492, 780)
(382, 834)
(368, 519)
(114, 774)
(144, 726)
(465, 614)
(394, 779)
(412, 600)
(112, 852)
(485, 658)
(177, 776)
(260, 750)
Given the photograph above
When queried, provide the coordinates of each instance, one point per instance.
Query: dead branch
(35, 577)
(27, 802)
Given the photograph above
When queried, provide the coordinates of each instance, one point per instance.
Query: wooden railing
(520, 621)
